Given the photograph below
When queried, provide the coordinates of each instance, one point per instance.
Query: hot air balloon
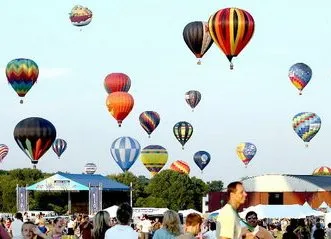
(306, 125)
(80, 16)
(59, 146)
(180, 167)
(246, 152)
(90, 168)
(183, 132)
(149, 120)
(154, 157)
(197, 38)
(22, 74)
(193, 98)
(324, 170)
(119, 105)
(125, 151)
(201, 159)
(300, 75)
(117, 82)
(3, 151)
(231, 29)
(34, 136)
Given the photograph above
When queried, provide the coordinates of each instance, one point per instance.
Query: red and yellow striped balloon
(324, 170)
(180, 167)
(119, 105)
(231, 29)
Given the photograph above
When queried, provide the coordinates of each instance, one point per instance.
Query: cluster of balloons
(230, 28)
(119, 102)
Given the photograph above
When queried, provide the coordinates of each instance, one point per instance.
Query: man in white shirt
(122, 230)
(228, 220)
(16, 226)
(145, 227)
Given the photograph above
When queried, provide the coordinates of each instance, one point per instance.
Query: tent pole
(69, 202)
(131, 194)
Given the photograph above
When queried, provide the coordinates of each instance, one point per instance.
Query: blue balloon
(202, 159)
(125, 151)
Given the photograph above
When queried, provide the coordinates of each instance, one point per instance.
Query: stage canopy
(77, 182)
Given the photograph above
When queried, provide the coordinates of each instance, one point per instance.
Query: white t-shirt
(145, 225)
(16, 228)
(228, 223)
(121, 231)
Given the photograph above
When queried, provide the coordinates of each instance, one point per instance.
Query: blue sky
(255, 102)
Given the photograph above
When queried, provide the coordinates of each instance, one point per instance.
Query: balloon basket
(300, 93)
(34, 166)
(199, 62)
(149, 136)
(21, 101)
(306, 145)
(182, 147)
(231, 66)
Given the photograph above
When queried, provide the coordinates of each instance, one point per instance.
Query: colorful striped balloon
(22, 74)
(231, 29)
(90, 168)
(149, 120)
(300, 75)
(154, 157)
(117, 82)
(192, 98)
(197, 38)
(246, 152)
(125, 151)
(183, 132)
(306, 125)
(324, 170)
(59, 146)
(180, 167)
(119, 105)
(3, 151)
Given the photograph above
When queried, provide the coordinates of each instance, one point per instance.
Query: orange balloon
(180, 167)
(119, 105)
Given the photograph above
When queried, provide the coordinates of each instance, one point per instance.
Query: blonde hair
(171, 222)
(101, 223)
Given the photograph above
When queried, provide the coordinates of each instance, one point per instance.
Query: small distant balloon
(59, 146)
(246, 152)
(201, 159)
(3, 151)
(119, 105)
(183, 132)
(149, 120)
(154, 157)
(80, 16)
(192, 98)
(324, 170)
(117, 82)
(90, 168)
(180, 167)
(306, 125)
(300, 75)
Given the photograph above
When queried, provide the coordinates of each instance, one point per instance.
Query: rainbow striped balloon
(180, 167)
(300, 75)
(3, 151)
(22, 74)
(306, 125)
(322, 171)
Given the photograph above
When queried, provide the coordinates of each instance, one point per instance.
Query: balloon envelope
(34, 136)
(300, 75)
(80, 16)
(180, 167)
(59, 146)
(193, 98)
(22, 74)
(125, 151)
(119, 105)
(154, 157)
(3, 151)
(117, 82)
(201, 159)
(183, 132)
(90, 168)
(306, 125)
(149, 120)
(324, 170)
(246, 152)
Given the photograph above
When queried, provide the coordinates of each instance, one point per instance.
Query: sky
(254, 103)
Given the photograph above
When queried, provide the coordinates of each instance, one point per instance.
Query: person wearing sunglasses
(260, 232)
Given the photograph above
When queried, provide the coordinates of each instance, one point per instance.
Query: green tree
(173, 188)
(215, 186)
(200, 190)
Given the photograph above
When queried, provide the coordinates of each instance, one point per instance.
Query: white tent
(188, 211)
(323, 205)
(111, 210)
(281, 211)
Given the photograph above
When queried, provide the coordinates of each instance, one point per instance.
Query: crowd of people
(228, 225)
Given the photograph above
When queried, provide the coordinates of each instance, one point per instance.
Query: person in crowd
(101, 223)
(302, 231)
(289, 234)
(328, 231)
(122, 229)
(42, 227)
(4, 233)
(211, 232)
(58, 228)
(26, 217)
(319, 232)
(78, 221)
(192, 226)
(145, 227)
(8, 225)
(30, 231)
(16, 226)
(252, 220)
(170, 226)
(85, 227)
(71, 226)
(318, 220)
(156, 225)
(228, 221)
